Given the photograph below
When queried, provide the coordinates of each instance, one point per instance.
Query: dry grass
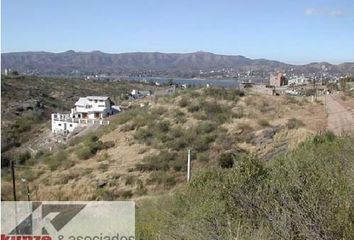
(115, 165)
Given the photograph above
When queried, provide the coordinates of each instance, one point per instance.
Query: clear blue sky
(294, 31)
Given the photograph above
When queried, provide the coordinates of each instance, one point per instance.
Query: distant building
(298, 80)
(139, 94)
(277, 80)
(87, 111)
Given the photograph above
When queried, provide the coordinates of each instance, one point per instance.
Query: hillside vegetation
(259, 170)
(306, 194)
(27, 103)
(143, 151)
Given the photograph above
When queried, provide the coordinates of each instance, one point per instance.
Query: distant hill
(71, 62)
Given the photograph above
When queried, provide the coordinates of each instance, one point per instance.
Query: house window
(71, 125)
(95, 101)
(59, 124)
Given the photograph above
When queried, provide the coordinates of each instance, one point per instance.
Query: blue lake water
(227, 83)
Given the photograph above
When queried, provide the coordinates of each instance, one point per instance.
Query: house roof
(82, 102)
(97, 97)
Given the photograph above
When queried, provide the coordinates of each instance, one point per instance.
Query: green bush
(23, 157)
(59, 159)
(163, 126)
(143, 134)
(305, 194)
(226, 160)
(179, 117)
(84, 153)
(205, 127)
(216, 112)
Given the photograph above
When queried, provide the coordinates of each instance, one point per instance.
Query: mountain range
(153, 63)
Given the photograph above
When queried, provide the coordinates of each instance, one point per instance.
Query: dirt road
(340, 119)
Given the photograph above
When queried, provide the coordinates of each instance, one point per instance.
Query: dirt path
(340, 119)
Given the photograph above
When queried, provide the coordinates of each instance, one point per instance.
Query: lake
(227, 83)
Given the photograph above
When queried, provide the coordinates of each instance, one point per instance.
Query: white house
(87, 111)
(298, 80)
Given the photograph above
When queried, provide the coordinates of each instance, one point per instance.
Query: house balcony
(82, 121)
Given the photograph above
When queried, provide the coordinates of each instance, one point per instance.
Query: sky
(292, 31)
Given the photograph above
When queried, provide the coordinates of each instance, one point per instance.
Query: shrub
(294, 123)
(57, 160)
(226, 160)
(177, 144)
(201, 143)
(179, 116)
(205, 127)
(127, 194)
(130, 180)
(222, 93)
(23, 157)
(84, 153)
(107, 145)
(245, 134)
(158, 111)
(140, 189)
(216, 112)
(328, 136)
(179, 165)
(203, 156)
(103, 167)
(103, 157)
(5, 160)
(157, 162)
(263, 123)
(163, 126)
(143, 134)
(193, 108)
(184, 102)
(162, 178)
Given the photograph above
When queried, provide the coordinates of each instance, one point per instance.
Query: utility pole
(27, 188)
(13, 179)
(315, 88)
(189, 166)
(28, 193)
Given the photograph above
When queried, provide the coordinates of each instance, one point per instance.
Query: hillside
(262, 166)
(148, 63)
(143, 151)
(305, 194)
(27, 104)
